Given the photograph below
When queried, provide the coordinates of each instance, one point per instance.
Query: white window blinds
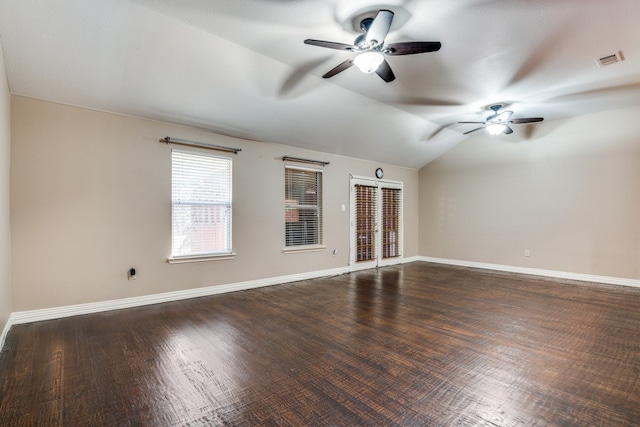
(303, 206)
(201, 204)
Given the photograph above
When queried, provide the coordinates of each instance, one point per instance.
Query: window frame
(196, 256)
(318, 206)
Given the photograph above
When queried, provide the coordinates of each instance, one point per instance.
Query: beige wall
(5, 239)
(568, 191)
(90, 198)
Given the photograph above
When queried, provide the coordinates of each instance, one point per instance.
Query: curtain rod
(168, 139)
(298, 159)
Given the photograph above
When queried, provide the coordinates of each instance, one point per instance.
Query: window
(200, 204)
(303, 206)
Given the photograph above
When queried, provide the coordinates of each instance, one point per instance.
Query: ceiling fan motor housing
(365, 24)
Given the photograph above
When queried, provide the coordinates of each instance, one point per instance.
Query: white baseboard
(5, 331)
(96, 307)
(537, 272)
(29, 316)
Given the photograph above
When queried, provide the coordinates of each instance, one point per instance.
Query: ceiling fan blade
(384, 71)
(339, 68)
(526, 120)
(379, 27)
(330, 45)
(410, 48)
(507, 130)
(466, 133)
(477, 123)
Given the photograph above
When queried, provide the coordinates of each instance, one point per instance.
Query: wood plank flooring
(412, 345)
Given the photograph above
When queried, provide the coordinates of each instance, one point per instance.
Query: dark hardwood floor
(413, 345)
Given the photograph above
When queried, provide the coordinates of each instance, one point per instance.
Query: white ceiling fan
(371, 50)
(498, 123)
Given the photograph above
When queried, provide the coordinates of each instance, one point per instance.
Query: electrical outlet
(526, 252)
(132, 275)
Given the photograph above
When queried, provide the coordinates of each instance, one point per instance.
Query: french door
(376, 223)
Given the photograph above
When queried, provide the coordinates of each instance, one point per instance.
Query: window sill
(299, 249)
(200, 258)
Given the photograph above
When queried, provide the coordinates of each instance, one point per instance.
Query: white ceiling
(240, 67)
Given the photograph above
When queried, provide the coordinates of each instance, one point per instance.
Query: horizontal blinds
(201, 196)
(391, 217)
(365, 222)
(303, 207)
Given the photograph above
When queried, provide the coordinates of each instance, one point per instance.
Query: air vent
(610, 59)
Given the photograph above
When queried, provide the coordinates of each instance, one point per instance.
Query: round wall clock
(379, 173)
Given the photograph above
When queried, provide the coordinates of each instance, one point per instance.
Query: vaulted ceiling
(241, 68)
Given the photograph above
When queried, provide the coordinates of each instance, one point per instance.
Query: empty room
(319, 213)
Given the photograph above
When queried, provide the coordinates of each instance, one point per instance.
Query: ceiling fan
(498, 123)
(370, 48)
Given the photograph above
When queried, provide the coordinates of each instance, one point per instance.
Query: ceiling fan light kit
(368, 62)
(496, 128)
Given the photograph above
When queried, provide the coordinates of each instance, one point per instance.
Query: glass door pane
(365, 222)
(391, 203)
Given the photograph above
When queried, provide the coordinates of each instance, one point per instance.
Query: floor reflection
(377, 296)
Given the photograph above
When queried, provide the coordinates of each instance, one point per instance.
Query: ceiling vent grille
(610, 59)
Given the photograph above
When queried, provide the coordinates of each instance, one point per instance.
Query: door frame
(378, 261)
